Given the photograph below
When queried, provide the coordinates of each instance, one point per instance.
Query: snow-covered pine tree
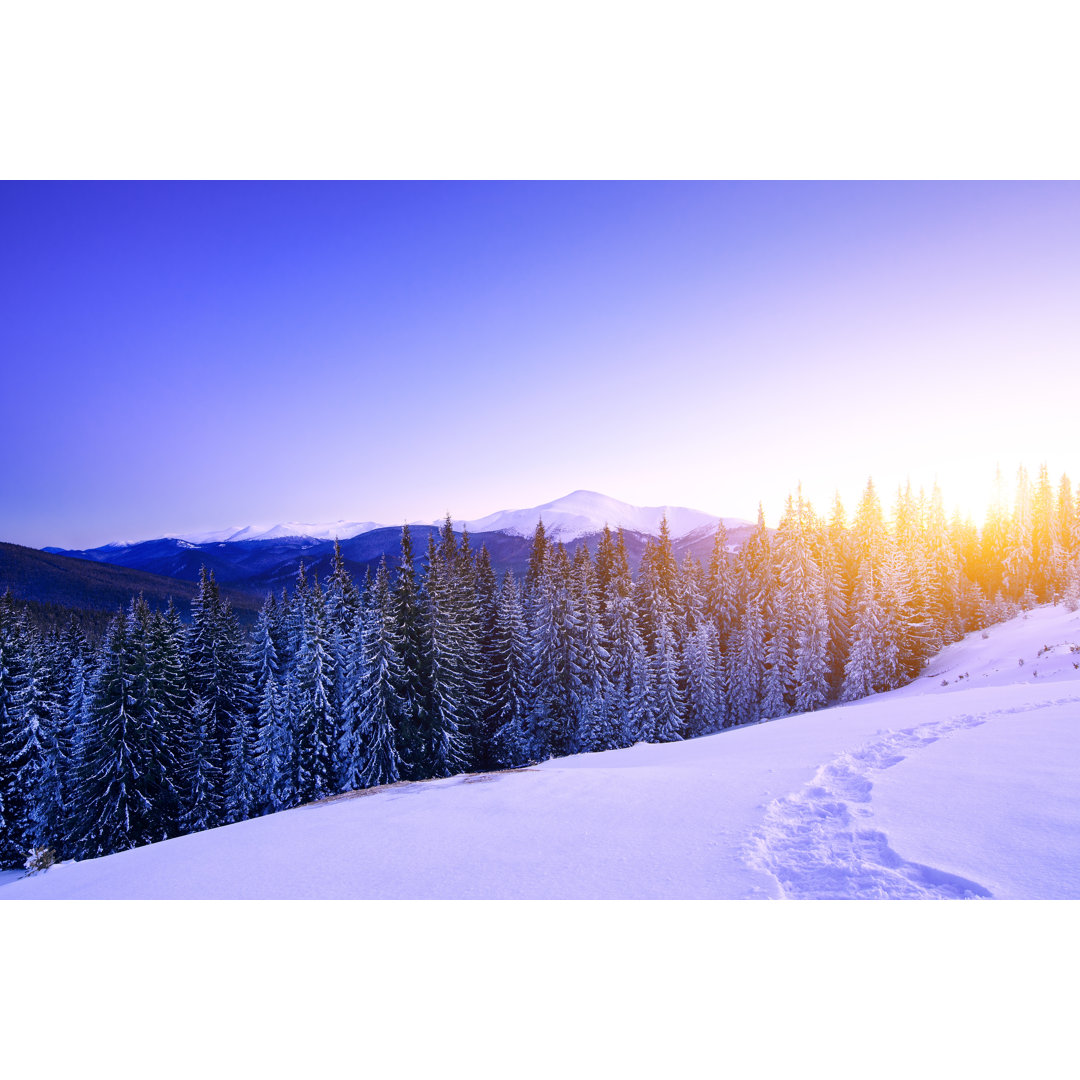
(1067, 520)
(448, 697)
(316, 725)
(746, 663)
(408, 616)
(722, 590)
(779, 657)
(507, 685)
(485, 753)
(1071, 594)
(202, 803)
(372, 704)
(1019, 560)
(705, 691)
(1048, 555)
(812, 652)
(218, 675)
(124, 775)
(589, 661)
(465, 592)
(242, 782)
(544, 602)
(170, 703)
(657, 598)
(670, 716)
(78, 662)
(537, 559)
(16, 828)
(629, 712)
(861, 672)
(277, 750)
(342, 611)
(41, 720)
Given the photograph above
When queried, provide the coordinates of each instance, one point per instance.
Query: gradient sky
(180, 357)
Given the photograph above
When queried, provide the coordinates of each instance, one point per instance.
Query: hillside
(51, 581)
(961, 784)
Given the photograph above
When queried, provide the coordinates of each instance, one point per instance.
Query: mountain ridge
(256, 563)
(578, 514)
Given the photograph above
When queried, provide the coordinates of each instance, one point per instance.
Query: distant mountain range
(581, 513)
(249, 560)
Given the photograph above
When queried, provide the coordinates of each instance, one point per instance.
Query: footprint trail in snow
(820, 843)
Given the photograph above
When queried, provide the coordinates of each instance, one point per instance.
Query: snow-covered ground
(962, 784)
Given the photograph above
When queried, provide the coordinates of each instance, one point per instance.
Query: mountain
(960, 785)
(340, 530)
(46, 579)
(257, 560)
(581, 513)
(585, 513)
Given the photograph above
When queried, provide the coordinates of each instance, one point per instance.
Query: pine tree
(315, 723)
(40, 705)
(705, 691)
(218, 677)
(1048, 553)
(861, 672)
(170, 703)
(507, 684)
(722, 590)
(124, 780)
(200, 771)
(372, 704)
(16, 827)
(812, 654)
(1019, 563)
(409, 632)
(277, 750)
(591, 688)
(342, 610)
(448, 702)
(747, 663)
(273, 744)
(77, 727)
(629, 717)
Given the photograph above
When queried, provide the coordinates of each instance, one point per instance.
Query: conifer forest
(436, 666)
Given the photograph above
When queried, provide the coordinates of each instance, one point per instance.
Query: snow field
(966, 790)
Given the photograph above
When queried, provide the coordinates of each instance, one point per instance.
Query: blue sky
(179, 357)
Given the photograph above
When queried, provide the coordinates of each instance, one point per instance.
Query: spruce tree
(372, 705)
(507, 684)
(16, 826)
(316, 724)
(124, 776)
(448, 700)
(408, 617)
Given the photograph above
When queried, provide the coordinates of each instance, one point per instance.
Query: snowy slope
(932, 791)
(582, 513)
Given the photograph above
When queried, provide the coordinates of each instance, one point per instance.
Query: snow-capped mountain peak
(333, 530)
(582, 513)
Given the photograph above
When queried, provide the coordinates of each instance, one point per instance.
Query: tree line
(166, 728)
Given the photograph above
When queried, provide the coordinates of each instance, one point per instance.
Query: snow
(582, 513)
(332, 530)
(966, 790)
